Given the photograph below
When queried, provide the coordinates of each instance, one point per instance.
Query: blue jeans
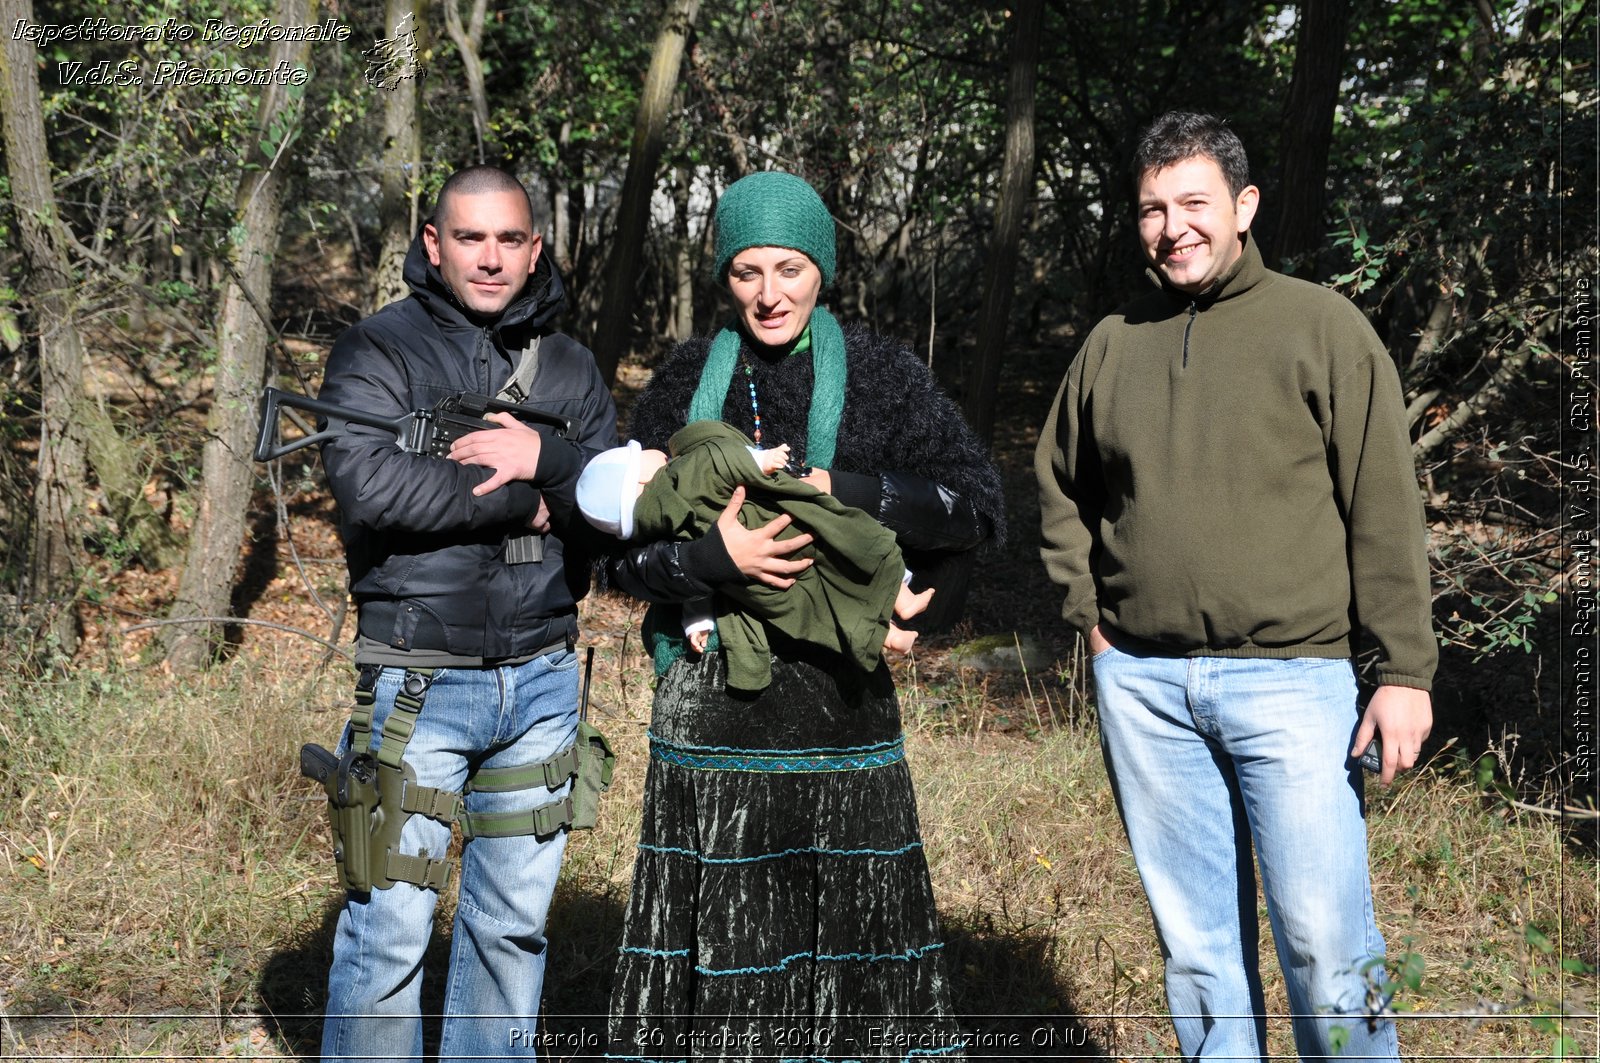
(1209, 757)
(490, 717)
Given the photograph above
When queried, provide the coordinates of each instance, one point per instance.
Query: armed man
(1228, 498)
(466, 573)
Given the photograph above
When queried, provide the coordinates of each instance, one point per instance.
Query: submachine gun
(371, 794)
(418, 432)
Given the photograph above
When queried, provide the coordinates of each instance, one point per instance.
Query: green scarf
(827, 384)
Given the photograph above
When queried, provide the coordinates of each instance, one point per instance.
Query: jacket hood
(540, 300)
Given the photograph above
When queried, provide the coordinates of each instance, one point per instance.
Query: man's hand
(1402, 718)
(757, 551)
(512, 451)
(1097, 641)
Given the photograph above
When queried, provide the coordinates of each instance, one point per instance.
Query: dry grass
(162, 859)
(168, 893)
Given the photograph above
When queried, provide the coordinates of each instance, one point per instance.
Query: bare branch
(334, 647)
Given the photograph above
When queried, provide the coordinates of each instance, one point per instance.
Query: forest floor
(169, 896)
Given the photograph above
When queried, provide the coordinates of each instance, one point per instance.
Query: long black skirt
(781, 907)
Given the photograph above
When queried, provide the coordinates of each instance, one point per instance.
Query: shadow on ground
(1011, 1002)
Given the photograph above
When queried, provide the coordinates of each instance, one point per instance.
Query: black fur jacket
(903, 453)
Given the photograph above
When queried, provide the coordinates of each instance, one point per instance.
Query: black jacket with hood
(425, 555)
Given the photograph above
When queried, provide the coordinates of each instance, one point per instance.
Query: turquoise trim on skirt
(781, 905)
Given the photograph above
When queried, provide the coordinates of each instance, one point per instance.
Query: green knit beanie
(773, 210)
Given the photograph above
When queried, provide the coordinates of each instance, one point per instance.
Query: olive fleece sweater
(1230, 475)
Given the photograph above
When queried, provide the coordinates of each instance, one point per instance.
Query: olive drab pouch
(596, 763)
(362, 817)
(370, 796)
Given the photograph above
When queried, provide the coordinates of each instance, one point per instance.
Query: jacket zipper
(1194, 309)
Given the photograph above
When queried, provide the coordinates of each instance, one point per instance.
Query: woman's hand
(820, 479)
(758, 552)
(511, 450)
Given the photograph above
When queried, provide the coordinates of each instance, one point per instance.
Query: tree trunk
(560, 220)
(827, 151)
(683, 259)
(122, 466)
(468, 40)
(633, 209)
(58, 501)
(701, 77)
(242, 337)
(1016, 189)
(1307, 128)
(402, 168)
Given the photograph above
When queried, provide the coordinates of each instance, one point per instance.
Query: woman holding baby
(781, 904)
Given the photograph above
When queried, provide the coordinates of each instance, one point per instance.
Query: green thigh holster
(351, 783)
(371, 796)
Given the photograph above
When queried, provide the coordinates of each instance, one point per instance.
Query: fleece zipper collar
(1243, 275)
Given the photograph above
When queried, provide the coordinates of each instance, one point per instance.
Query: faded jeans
(488, 717)
(1211, 758)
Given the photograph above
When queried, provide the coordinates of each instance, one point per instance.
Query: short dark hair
(1180, 135)
(474, 181)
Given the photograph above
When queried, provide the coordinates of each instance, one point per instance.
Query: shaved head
(476, 181)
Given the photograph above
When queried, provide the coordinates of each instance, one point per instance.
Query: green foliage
(1368, 261)
(150, 151)
(563, 83)
(283, 126)
(1499, 619)
(1105, 73)
(893, 112)
(1461, 265)
(1446, 176)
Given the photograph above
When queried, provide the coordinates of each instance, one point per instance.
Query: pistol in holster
(351, 783)
(371, 796)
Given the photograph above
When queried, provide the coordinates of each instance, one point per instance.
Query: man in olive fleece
(1228, 499)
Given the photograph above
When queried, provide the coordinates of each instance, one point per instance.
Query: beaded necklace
(755, 404)
(800, 345)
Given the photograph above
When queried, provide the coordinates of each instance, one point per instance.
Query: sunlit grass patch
(164, 858)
